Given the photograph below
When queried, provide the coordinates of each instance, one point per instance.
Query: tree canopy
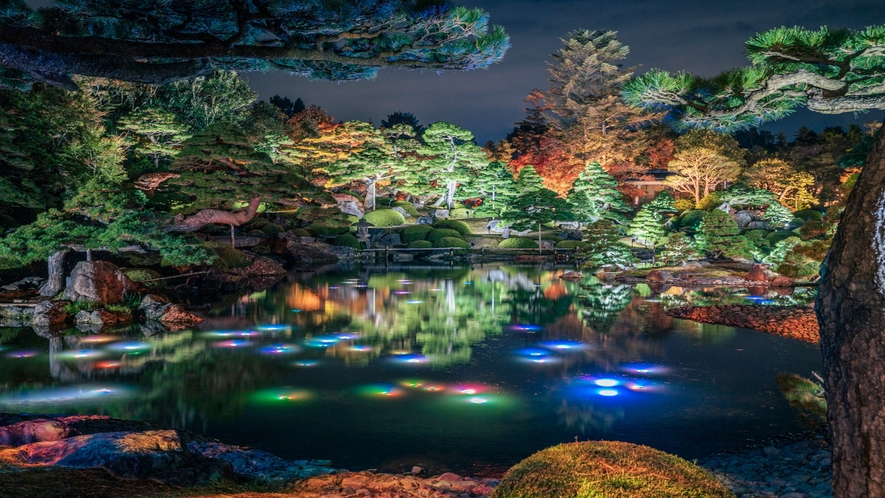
(157, 41)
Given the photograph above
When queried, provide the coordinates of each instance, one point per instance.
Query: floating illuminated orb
(607, 392)
(526, 328)
(414, 301)
(236, 343)
(361, 348)
(277, 349)
(232, 333)
(435, 388)
(321, 341)
(401, 292)
(381, 391)
(306, 363)
(606, 382)
(130, 347)
(22, 354)
(644, 369)
(533, 352)
(278, 327)
(66, 395)
(98, 339)
(469, 389)
(81, 354)
(564, 345)
(411, 359)
(347, 336)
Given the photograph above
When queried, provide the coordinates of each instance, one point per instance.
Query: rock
(505, 233)
(440, 214)
(782, 281)
(16, 314)
(33, 431)
(97, 317)
(343, 253)
(797, 322)
(425, 220)
(416, 471)
(450, 477)
(572, 235)
(176, 314)
(570, 225)
(401, 211)
(99, 281)
(153, 306)
(761, 225)
(403, 257)
(661, 276)
(26, 287)
(546, 245)
(572, 275)
(309, 254)
(160, 455)
(271, 245)
(262, 266)
(352, 208)
(49, 314)
(743, 218)
(390, 239)
(757, 274)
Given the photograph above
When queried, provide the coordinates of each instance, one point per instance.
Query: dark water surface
(452, 369)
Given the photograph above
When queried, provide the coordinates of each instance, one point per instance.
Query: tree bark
(206, 216)
(55, 281)
(851, 312)
(370, 194)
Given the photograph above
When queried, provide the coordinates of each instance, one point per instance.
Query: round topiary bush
(458, 226)
(569, 244)
(319, 229)
(691, 219)
(415, 232)
(609, 469)
(809, 214)
(227, 257)
(459, 213)
(451, 242)
(518, 243)
(774, 237)
(682, 205)
(385, 218)
(421, 244)
(347, 240)
(439, 233)
(407, 207)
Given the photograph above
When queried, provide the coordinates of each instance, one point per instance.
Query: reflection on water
(440, 367)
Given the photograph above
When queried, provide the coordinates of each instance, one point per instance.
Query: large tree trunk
(370, 194)
(851, 311)
(206, 216)
(451, 185)
(55, 281)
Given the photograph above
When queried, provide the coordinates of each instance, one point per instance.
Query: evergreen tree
(647, 227)
(286, 106)
(541, 206)
(603, 246)
(497, 188)
(154, 133)
(678, 248)
(452, 158)
(663, 204)
(718, 236)
(595, 195)
(703, 161)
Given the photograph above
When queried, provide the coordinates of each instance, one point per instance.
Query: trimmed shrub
(140, 274)
(459, 213)
(569, 244)
(607, 469)
(809, 214)
(407, 207)
(415, 232)
(385, 218)
(682, 205)
(319, 229)
(774, 237)
(451, 242)
(421, 244)
(518, 243)
(439, 233)
(300, 232)
(227, 257)
(692, 219)
(813, 229)
(347, 240)
(458, 226)
(711, 201)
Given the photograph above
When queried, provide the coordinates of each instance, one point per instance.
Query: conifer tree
(647, 227)
(497, 187)
(452, 158)
(678, 248)
(154, 133)
(595, 195)
(718, 236)
(663, 204)
(603, 245)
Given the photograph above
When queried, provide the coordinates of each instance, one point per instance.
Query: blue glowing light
(526, 328)
(476, 400)
(468, 283)
(333, 287)
(129, 346)
(564, 345)
(361, 348)
(533, 352)
(235, 343)
(414, 301)
(296, 310)
(22, 354)
(81, 354)
(411, 359)
(607, 392)
(232, 333)
(644, 368)
(606, 382)
(321, 341)
(306, 363)
(347, 336)
(277, 349)
(272, 327)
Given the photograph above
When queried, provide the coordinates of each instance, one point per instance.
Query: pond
(462, 369)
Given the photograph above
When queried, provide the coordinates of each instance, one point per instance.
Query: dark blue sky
(702, 36)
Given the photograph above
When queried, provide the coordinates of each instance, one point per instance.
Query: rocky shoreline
(795, 322)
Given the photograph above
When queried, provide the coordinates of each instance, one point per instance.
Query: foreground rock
(99, 281)
(367, 484)
(794, 322)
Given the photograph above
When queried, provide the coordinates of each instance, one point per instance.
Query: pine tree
(718, 236)
(595, 195)
(647, 227)
(678, 248)
(663, 204)
(497, 188)
(154, 133)
(452, 158)
(603, 246)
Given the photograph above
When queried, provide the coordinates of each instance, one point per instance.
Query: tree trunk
(370, 194)
(451, 185)
(206, 216)
(851, 312)
(55, 282)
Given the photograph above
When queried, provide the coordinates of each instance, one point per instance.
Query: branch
(208, 216)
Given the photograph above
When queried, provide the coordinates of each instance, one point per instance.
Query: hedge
(451, 242)
(518, 243)
(421, 244)
(458, 226)
(415, 232)
(569, 244)
(809, 214)
(385, 218)
(347, 240)
(439, 233)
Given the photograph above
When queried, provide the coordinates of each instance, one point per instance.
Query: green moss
(459, 214)
(518, 243)
(569, 244)
(385, 218)
(227, 257)
(809, 214)
(682, 205)
(774, 237)
(9, 263)
(323, 229)
(451, 242)
(140, 274)
(439, 233)
(421, 244)
(300, 232)
(607, 469)
(458, 226)
(415, 232)
(407, 207)
(347, 240)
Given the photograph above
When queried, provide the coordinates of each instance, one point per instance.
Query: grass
(74, 307)
(607, 469)
(805, 395)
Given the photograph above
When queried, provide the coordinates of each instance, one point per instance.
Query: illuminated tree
(603, 245)
(647, 227)
(703, 161)
(595, 195)
(535, 204)
(718, 236)
(153, 133)
(452, 158)
(158, 42)
(791, 187)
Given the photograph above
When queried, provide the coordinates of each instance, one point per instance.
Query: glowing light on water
(321, 341)
(405, 281)
(108, 364)
(276, 349)
(81, 354)
(273, 327)
(98, 339)
(401, 292)
(411, 359)
(282, 395)
(608, 392)
(381, 391)
(533, 352)
(414, 384)
(468, 283)
(306, 363)
(347, 336)
(362, 348)
(435, 388)
(65, 395)
(606, 382)
(564, 345)
(478, 401)
(296, 310)
(232, 333)
(470, 389)
(414, 301)
(22, 354)
(236, 343)
(644, 369)
(333, 287)
(130, 347)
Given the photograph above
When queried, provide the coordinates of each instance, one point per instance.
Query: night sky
(702, 36)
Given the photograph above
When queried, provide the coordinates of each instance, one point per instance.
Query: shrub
(321, 229)
(265, 227)
(774, 237)
(757, 237)
(569, 244)
(227, 257)
(451, 242)
(813, 229)
(518, 243)
(692, 219)
(407, 207)
(300, 232)
(420, 244)
(9, 262)
(809, 214)
(458, 226)
(459, 213)
(682, 205)
(711, 201)
(140, 274)
(606, 469)
(74, 307)
(805, 395)
(347, 240)
(385, 218)
(415, 232)
(439, 233)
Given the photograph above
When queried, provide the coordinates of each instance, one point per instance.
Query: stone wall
(788, 321)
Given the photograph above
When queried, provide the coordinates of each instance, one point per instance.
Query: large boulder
(425, 220)
(352, 208)
(757, 274)
(401, 211)
(33, 431)
(743, 218)
(390, 239)
(97, 317)
(98, 281)
(26, 287)
(660, 276)
(158, 308)
(440, 214)
(49, 314)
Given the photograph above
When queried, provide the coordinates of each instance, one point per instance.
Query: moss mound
(407, 207)
(607, 469)
(518, 243)
(451, 242)
(140, 274)
(458, 226)
(439, 233)
(459, 213)
(569, 244)
(228, 257)
(415, 232)
(774, 237)
(385, 218)
(321, 229)
(809, 214)
(300, 232)
(347, 240)
(421, 244)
